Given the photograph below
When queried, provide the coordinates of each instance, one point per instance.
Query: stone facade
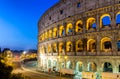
(85, 31)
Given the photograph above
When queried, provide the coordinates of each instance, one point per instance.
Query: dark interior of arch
(107, 67)
(118, 45)
(107, 45)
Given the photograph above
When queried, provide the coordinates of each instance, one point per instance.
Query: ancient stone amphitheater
(81, 36)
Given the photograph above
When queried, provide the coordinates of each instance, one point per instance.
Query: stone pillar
(74, 26)
(113, 20)
(98, 23)
(65, 26)
(73, 64)
(98, 45)
(58, 31)
(114, 43)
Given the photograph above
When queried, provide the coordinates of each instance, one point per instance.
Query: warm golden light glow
(90, 21)
(104, 15)
(55, 32)
(69, 28)
(79, 26)
(69, 46)
(61, 30)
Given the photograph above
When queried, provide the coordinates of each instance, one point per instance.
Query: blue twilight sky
(18, 22)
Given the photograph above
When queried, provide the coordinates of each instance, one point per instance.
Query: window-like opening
(50, 18)
(78, 4)
(61, 11)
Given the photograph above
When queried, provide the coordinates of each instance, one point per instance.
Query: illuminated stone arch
(54, 46)
(69, 65)
(107, 67)
(43, 49)
(61, 47)
(79, 66)
(92, 67)
(46, 35)
(61, 31)
(79, 26)
(91, 23)
(43, 36)
(118, 18)
(49, 64)
(79, 46)
(69, 46)
(49, 48)
(54, 65)
(106, 44)
(55, 32)
(50, 33)
(105, 20)
(69, 28)
(91, 45)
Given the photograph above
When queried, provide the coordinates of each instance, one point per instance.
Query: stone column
(84, 25)
(98, 23)
(65, 25)
(113, 20)
(114, 45)
(98, 45)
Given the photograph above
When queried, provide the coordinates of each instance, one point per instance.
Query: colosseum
(81, 36)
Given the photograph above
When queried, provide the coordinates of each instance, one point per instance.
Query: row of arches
(89, 45)
(80, 66)
(91, 23)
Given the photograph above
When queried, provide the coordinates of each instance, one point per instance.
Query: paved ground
(37, 75)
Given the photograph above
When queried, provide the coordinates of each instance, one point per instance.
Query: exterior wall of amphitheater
(66, 34)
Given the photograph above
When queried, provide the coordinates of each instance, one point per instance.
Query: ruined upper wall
(68, 8)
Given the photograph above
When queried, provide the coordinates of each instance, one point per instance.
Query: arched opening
(107, 67)
(79, 26)
(50, 33)
(61, 31)
(69, 46)
(69, 65)
(92, 67)
(55, 32)
(105, 20)
(54, 47)
(106, 44)
(79, 66)
(49, 63)
(91, 45)
(43, 37)
(118, 18)
(79, 46)
(43, 50)
(46, 35)
(49, 48)
(91, 24)
(61, 47)
(62, 65)
(69, 28)
(54, 65)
